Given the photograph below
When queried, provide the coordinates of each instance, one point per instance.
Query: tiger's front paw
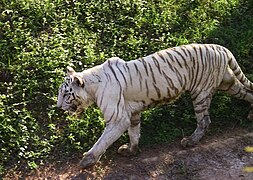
(188, 142)
(127, 150)
(88, 160)
(250, 115)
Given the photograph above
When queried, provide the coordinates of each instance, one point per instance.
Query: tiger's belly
(138, 100)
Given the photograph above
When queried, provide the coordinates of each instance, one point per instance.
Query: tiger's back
(166, 74)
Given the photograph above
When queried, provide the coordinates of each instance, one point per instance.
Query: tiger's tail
(239, 74)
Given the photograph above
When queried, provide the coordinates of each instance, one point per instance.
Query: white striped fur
(123, 89)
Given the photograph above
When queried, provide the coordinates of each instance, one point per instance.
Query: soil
(216, 157)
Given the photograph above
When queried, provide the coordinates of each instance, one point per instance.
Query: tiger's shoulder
(114, 61)
(113, 64)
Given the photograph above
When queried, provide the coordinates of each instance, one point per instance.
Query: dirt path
(215, 158)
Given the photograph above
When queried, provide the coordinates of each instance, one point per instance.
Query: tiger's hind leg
(134, 135)
(233, 86)
(201, 103)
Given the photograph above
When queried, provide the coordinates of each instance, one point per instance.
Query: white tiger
(123, 89)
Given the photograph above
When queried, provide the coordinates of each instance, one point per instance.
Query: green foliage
(38, 39)
(167, 122)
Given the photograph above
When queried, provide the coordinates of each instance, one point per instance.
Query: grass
(38, 39)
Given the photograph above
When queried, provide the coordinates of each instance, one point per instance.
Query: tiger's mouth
(72, 109)
(75, 110)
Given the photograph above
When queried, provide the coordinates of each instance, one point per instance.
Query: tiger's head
(72, 96)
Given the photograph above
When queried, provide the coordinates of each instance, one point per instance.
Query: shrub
(38, 39)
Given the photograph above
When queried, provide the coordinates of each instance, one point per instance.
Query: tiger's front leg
(134, 135)
(250, 115)
(112, 132)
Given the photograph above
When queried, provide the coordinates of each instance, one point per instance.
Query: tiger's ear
(79, 81)
(70, 70)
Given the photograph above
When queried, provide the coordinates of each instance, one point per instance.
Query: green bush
(38, 39)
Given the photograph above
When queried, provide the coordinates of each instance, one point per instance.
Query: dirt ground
(217, 157)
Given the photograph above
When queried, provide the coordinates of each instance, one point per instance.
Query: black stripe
(190, 53)
(130, 76)
(165, 57)
(178, 62)
(238, 73)
(233, 68)
(157, 64)
(200, 102)
(226, 51)
(201, 55)
(251, 86)
(194, 95)
(201, 110)
(176, 90)
(168, 92)
(242, 79)
(147, 89)
(170, 56)
(180, 78)
(121, 73)
(152, 73)
(229, 61)
(184, 50)
(157, 90)
(68, 98)
(183, 58)
(196, 70)
(203, 69)
(125, 68)
(137, 70)
(169, 81)
(108, 77)
(185, 80)
(115, 75)
(244, 95)
(145, 66)
(228, 88)
(239, 91)
(170, 66)
(221, 57)
(194, 48)
(185, 61)
(139, 73)
(118, 104)
(161, 56)
(74, 98)
(110, 117)
(102, 97)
